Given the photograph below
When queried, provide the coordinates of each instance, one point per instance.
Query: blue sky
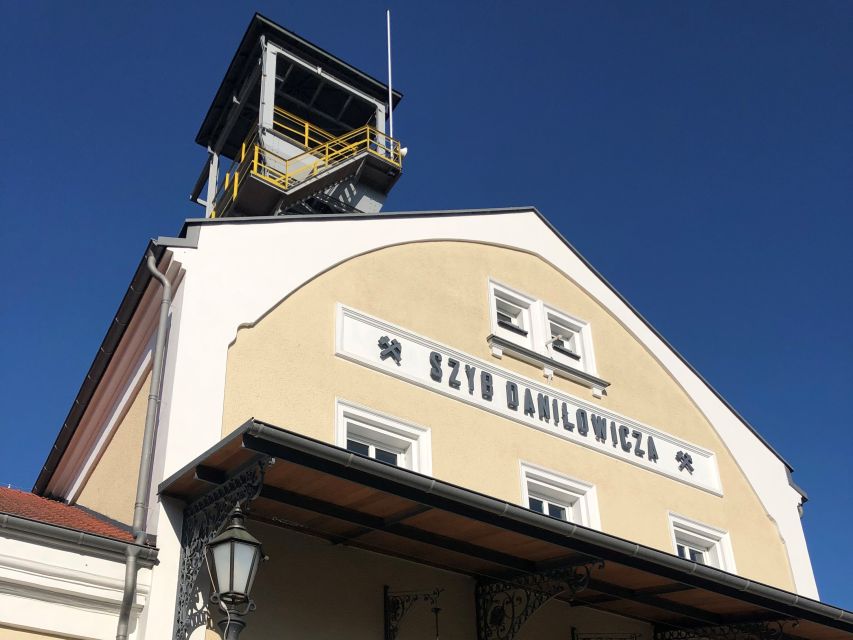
(699, 154)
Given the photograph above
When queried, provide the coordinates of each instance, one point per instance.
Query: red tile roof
(28, 505)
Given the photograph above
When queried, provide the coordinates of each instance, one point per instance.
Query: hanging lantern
(234, 556)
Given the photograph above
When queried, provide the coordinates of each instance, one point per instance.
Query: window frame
(580, 498)
(524, 333)
(714, 543)
(585, 359)
(375, 428)
(533, 344)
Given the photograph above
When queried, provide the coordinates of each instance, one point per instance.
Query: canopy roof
(323, 490)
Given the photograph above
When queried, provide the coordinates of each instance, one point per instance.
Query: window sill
(500, 346)
(511, 327)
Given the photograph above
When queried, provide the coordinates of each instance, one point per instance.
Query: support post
(212, 181)
(266, 109)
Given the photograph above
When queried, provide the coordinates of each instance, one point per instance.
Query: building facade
(439, 423)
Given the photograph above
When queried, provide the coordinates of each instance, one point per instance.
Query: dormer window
(566, 339)
(533, 331)
(511, 315)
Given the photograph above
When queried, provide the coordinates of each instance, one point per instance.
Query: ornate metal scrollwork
(203, 519)
(769, 630)
(398, 605)
(504, 606)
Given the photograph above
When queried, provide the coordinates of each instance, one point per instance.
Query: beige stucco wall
(111, 487)
(19, 634)
(283, 370)
(305, 575)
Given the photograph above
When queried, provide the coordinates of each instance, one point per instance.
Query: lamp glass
(222, 565)
(244, 560)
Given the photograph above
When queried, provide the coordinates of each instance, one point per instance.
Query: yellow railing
(307, 134)
(286, 173)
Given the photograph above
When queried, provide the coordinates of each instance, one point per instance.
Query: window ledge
(500, 345)
(511, 327)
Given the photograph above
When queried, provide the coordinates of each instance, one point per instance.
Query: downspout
(143, 483)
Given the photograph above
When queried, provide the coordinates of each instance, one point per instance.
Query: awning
(323, 490)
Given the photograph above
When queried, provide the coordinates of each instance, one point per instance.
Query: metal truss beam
(762, 630)
(503, 606)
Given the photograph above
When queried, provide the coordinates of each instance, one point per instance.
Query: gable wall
(283, 370)
(111, 488)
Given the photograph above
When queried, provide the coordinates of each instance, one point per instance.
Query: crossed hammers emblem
(685, 461)
(390, 349)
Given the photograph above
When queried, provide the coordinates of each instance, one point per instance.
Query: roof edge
(269, 439)
(75, 540)
(120, 322)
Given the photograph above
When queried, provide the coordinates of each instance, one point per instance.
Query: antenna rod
(390, 104)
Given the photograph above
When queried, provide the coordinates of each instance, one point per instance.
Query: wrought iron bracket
(503, 606)
(397, 605)
(764, 630)
(203, 519)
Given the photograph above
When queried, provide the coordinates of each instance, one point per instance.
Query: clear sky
(699, 154)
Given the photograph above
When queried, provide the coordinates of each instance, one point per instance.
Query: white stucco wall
(254, 265)
(64, 593)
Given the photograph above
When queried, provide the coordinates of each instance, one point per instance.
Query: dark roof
(248, 51)
(19, 503)
(319, 489)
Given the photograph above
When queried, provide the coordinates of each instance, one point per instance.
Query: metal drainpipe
(143, 483)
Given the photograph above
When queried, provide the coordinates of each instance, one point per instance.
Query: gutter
(143, 483)
(258, 436)
(74, 540)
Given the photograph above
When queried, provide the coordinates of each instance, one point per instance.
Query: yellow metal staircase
(326, 159)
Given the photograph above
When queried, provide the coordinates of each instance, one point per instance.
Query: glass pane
(243, 556)
(697, 556)
(358, 447)
(222, 561)
(682, 552)
(386, 456)
(536, 505)
(556, 511)
(508, 312)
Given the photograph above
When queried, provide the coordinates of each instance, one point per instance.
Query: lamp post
(233, 556)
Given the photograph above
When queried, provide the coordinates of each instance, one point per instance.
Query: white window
(382, 437)
(511, 315)
(559, 496)
(568, 340)
(530, 330)
(701, 543)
